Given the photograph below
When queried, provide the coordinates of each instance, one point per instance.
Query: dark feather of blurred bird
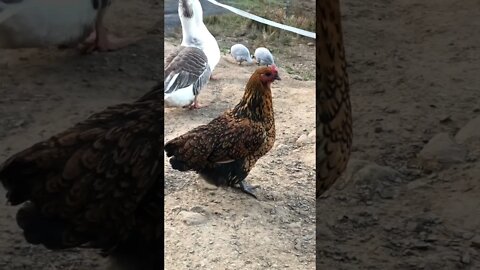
(334, 113)
(225, 150)
(98, 184)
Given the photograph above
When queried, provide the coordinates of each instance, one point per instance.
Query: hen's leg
(247, 188)
(101, 40)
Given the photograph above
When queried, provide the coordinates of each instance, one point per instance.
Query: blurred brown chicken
(334, 113)
(98, 184)
(225, 150)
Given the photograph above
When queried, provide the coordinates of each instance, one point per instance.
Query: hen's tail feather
(16, 178)
(22, 178)
(179, 165)
(39, 229)
(169, 149)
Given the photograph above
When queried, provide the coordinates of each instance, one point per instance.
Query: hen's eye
(268, 74)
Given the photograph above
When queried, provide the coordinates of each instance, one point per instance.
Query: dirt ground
(413, 69)
(43, 91)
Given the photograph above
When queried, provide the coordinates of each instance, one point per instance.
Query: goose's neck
(195, 33)
(192, 30)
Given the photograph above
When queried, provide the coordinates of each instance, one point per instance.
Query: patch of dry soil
(413, 70)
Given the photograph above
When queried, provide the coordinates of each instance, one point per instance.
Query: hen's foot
(247, 188)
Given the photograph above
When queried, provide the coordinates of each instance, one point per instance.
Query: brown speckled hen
(334, 113)
(98, 184)
(225, 150)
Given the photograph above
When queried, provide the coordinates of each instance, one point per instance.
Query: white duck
(195, 33)
(241, 54)
(263, 56)
(39, 23)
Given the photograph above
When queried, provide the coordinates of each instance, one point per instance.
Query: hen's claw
(247, 188)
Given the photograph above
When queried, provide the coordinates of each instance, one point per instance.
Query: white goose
(190, 67)
(185, 76)
(195, 33)
(40, 23)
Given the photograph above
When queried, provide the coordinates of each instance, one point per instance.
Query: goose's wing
(188, 68)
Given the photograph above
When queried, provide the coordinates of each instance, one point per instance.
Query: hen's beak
(277, 77)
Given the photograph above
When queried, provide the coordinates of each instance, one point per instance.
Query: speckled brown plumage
(334, 115)
(224, 151)
(98, 183)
